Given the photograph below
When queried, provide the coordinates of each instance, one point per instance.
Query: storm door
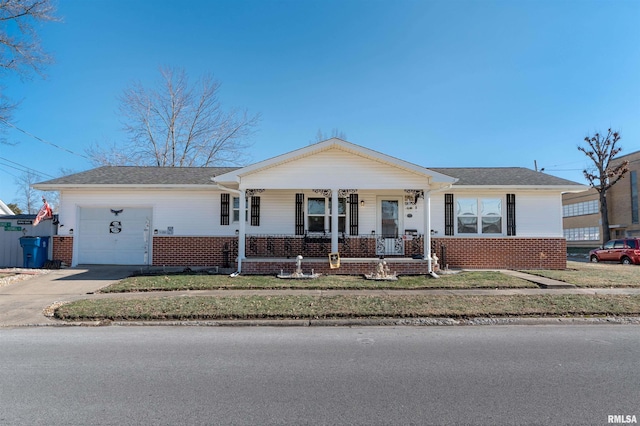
(389, 239)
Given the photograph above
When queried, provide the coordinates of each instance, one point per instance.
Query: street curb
(364, 322)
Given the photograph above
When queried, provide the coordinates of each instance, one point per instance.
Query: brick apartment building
(581, 219)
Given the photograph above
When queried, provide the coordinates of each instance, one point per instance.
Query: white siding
(190, 213)
(197, 213)
(277, 212)
(335, 169)
(538, 213)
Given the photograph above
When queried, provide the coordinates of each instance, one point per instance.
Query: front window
(316, 214)
(482, 216)
(467, 216)
(236, 210)
(319, 214)
(491, 216)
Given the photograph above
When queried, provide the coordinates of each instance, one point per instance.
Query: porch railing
(368, 245)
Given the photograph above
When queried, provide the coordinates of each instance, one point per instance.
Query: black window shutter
(299, 214)
(511, 214)
(353, 214)
(255, 211)
(448, 214)
(224, 209)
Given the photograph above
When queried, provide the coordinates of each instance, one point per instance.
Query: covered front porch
(411, 245)
(359, 254)
(331, 197)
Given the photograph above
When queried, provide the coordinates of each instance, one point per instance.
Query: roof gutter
(241, 233)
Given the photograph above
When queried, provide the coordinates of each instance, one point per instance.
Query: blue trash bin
(34, 251)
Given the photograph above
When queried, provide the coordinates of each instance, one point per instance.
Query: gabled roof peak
(336, 143)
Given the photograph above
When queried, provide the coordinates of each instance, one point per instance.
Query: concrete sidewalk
(22, 303)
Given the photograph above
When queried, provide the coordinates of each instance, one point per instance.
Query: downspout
(242, 231)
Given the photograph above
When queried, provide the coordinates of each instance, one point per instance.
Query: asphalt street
(505, 375)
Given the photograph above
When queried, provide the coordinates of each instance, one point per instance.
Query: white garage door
(114, 236)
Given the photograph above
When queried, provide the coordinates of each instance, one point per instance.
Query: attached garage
(114, 236)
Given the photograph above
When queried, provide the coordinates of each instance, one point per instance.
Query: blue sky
(438, 83)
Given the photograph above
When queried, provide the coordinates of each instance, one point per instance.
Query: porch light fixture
(361, 203)
(237, 232)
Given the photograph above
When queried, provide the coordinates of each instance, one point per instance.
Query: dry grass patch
(317, 307)
(593, 275)
(484, 279)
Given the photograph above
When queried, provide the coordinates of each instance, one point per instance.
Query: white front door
(389, 231)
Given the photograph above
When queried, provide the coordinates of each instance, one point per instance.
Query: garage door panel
(118, 236)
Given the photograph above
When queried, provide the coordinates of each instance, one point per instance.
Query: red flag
(44, 213)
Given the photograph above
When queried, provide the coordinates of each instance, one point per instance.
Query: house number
(115, 227)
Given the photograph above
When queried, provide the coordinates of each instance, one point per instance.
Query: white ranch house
(330, 197)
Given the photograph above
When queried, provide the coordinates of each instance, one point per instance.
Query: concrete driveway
(22, 302)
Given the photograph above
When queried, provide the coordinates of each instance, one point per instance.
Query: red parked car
(624, 250)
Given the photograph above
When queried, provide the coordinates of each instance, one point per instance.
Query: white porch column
(427, 228)
(242, 230)
(334, 220)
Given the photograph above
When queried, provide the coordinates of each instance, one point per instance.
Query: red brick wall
(503, 253)
(472, 253)
(193, 251)
(63, 248)
(321, 266)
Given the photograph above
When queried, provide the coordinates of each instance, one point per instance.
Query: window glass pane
(236, 215)
(491, 225)
(467, 207)
(236, 202)
(316, 206)
(342, 206)
(316, 223)
(341, 224)
(467, 225)
(491, 207)
(390, 216)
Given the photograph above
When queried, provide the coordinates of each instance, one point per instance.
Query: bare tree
(108, 154)
(335, 133)
(179, 125)
(20, 49)
(28, 198)
(603, 174)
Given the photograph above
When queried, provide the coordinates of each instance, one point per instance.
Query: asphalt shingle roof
(501, 176)
(135, 175)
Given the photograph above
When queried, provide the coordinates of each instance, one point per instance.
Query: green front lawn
(482, 279)
(584, 274)
(319, 307)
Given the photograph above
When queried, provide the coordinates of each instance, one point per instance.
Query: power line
(23, 168)
(42, 140)
(9, 173)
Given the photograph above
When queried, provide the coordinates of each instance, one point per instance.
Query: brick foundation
(194, 251)
(63, 248)
(472, 253)
(502, 253)
(321, 266)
